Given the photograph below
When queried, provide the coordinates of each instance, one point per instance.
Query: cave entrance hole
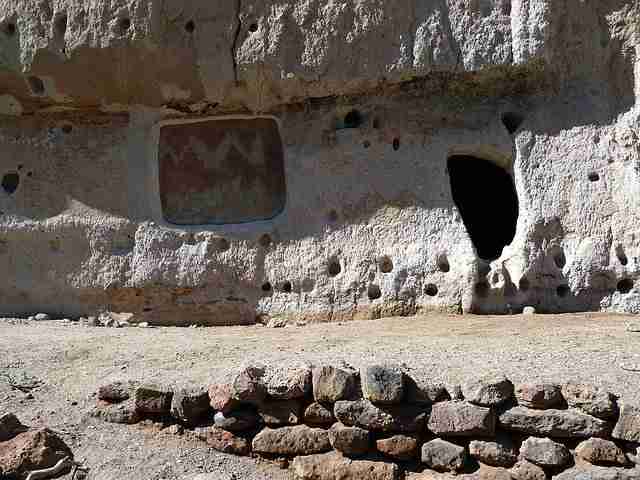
(487, 200)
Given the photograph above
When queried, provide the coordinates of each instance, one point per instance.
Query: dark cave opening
(487, 200)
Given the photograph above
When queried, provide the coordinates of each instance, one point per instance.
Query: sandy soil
(66, 362)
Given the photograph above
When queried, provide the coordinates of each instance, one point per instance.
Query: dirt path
(68, 362)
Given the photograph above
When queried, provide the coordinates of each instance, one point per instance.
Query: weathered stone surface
(598, 473)
(189, 405)
(443, 456)
(318, 415)
(554, 423)
(398, 447)
(32, 450)
(545, 452)
(524, 470)
(123, 412)
(351, 441)
(10, 426)
(628, 425)
(237, 421)
(248, 386)
(539, 395)
(601, 452)
(331, 384)
(460, 418)
(41, 317)
(364, 414)
(332, 466)
(591, 399)
(496, 453)
(116, 391)
(153, 399)
(529, 310)
(224, 441)
(221, 397)
(288, 382)
(423, 391)
(281, 412)
(382, 384)
(488, 391)
(298, 440)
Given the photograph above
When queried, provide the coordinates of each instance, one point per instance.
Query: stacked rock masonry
(338, 422)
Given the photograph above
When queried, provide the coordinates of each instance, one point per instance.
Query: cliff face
(214, 162)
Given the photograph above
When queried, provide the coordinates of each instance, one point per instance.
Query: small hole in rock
(334, 267)
(594, 177)
(431, 290)
(10, 182)
(223, 244)
(563, 291)
(286, 287)
(265, 240)
(374, 292)
(484, 269)
(253, 28)
(10, 29)
(190, 26)
(376, 123)
(61, 26)
(482, 289)
(385, 264)
(124, 24)
(396, 144)
(30, 174)
(266, 287)
(559, 259)
(332, 216)
(67, 128)
(147, 309)
(443, 263)
(20, 167)
(36, 85)
(625, 285)
(524, 285)
(512, 121)
(352, 119)
(622, 257)
(366, 144)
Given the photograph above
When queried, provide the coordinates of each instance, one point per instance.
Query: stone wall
(308, 173)
(382, 422)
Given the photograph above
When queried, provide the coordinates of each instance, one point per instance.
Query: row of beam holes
(354, 119)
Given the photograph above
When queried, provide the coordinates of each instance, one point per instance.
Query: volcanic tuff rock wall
(211, 162)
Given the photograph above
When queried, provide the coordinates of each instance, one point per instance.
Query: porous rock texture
(365, 158)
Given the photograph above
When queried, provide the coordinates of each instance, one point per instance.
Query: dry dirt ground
(63, 364)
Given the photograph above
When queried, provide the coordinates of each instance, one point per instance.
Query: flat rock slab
(628, 426)
(332, 466)
(488, 391)
(318, 415)
(350, 441)
(539, 395)
(590, 399)
(364, 414)
(554, 423)
(545, 452)
(382, 385)
(601, 452)
(10, 426)
(224, 441)
(443, 456)
(398, 447)
(460, 418)
(123, 412)
(298, 440)
(599, 473)
(32, 450)
(500, 452)
(288, 382)
(153, 399)
(331, 384)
